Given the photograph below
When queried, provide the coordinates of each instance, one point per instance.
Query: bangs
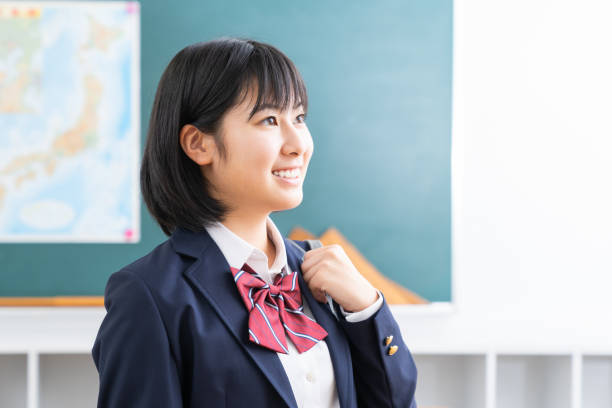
(276, 81)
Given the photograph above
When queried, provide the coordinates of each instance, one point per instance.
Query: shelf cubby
(13, 380)
(596, 381)
(442, 380)
(67, 380)
(534, 381)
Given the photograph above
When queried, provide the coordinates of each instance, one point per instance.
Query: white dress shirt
(310, 373)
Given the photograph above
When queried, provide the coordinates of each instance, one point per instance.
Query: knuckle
(337, 250)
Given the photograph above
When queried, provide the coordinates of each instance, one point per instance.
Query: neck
(254, 231)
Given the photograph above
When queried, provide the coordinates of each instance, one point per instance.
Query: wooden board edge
(55, 301)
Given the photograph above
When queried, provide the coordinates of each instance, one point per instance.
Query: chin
(290, 204)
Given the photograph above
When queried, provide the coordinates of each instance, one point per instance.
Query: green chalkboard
(379, 81)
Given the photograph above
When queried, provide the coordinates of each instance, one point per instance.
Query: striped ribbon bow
(276, 311)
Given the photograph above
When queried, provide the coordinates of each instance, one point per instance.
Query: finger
(320, 259)
(307, 275)
(320, 268)
(318, 281)
(311, 257)
(317, 292)
(319, 296)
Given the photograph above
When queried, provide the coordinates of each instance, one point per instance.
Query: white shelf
(13, 380)
(67, 380)
(45, 362)
(597, 381)
(534, 381)
(442, 380)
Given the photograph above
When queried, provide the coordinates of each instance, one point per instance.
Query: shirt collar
(237, 251)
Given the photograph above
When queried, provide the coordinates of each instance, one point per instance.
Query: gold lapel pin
(388, 340)
(392, 350)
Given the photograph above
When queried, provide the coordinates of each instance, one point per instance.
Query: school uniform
(176, 335)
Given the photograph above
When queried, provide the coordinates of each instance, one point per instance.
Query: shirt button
(310, 377)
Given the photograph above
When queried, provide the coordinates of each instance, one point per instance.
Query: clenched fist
(329, 270)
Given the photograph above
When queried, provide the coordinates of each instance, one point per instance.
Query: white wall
(532, 169)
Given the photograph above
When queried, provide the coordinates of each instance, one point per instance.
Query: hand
(329, 270)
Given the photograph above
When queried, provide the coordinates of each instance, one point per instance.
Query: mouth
(290, 176)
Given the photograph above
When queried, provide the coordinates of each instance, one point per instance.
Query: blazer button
(388, 340)
(392, 350)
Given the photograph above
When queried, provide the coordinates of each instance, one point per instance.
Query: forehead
(278, 97)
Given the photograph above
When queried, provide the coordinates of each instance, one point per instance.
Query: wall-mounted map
(69, 122)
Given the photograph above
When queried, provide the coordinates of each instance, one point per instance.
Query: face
(256, 148)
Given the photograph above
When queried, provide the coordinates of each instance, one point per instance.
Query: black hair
(199, 85)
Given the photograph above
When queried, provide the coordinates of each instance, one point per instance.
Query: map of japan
(69, 122)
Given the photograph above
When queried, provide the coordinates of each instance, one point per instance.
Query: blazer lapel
(211, 275)
(337, 343)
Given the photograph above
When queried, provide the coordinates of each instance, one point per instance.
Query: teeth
(287, 174)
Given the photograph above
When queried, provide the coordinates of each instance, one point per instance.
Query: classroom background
(480, 127)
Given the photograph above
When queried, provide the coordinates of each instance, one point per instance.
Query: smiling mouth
(288, 178)
(291, 174)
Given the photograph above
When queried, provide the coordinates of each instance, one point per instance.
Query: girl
(227, 312)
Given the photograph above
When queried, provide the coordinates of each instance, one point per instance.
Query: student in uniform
(227, 312)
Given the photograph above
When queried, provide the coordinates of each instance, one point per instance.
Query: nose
(296, 138)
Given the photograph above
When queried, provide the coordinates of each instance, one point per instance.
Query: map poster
(69, 122)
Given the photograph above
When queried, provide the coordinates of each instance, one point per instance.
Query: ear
(197, 145)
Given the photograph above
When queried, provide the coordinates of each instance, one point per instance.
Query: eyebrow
(272, 106)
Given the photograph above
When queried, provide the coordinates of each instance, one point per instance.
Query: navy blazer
(175, 335)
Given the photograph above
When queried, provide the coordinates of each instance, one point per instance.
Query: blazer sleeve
(381, 380)
(131, 352)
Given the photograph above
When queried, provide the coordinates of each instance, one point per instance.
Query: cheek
(258, 160)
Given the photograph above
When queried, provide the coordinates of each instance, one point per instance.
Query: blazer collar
(211, 275)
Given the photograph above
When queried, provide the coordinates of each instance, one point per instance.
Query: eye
(270, 120)
(301, 118)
